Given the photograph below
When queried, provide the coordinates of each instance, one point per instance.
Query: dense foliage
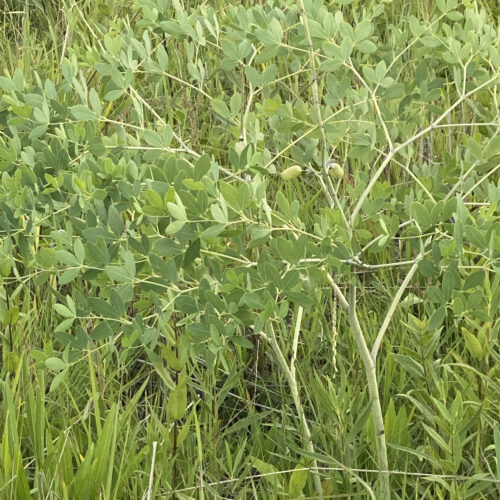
(177, 316)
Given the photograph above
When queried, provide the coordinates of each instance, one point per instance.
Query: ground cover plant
(249, 250)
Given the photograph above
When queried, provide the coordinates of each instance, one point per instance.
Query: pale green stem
(392, 308)
(398, 148)
(375, 103)
(331, 191)
(290, 375)
(371, 376)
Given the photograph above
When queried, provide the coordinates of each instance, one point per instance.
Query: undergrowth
(179, 320)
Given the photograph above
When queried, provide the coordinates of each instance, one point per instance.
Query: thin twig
(381, 266)
(398, 148)
(319, 118)
(375, 102)
(151, 473)
(392, 308)
(248, 106)
(65, 41)
(445, 114)
(295, 342)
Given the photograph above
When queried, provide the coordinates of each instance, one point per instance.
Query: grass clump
(181, 320)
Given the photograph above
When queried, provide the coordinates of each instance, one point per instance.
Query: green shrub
(142, 219)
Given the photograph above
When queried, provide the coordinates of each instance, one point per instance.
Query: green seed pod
(336, 171)
(291, 173)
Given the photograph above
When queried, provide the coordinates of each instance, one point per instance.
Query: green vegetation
(249, 250)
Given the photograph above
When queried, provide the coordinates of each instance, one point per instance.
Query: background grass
(92, 436)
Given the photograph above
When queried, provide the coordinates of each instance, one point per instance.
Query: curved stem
(371, 376)
(290, 375)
